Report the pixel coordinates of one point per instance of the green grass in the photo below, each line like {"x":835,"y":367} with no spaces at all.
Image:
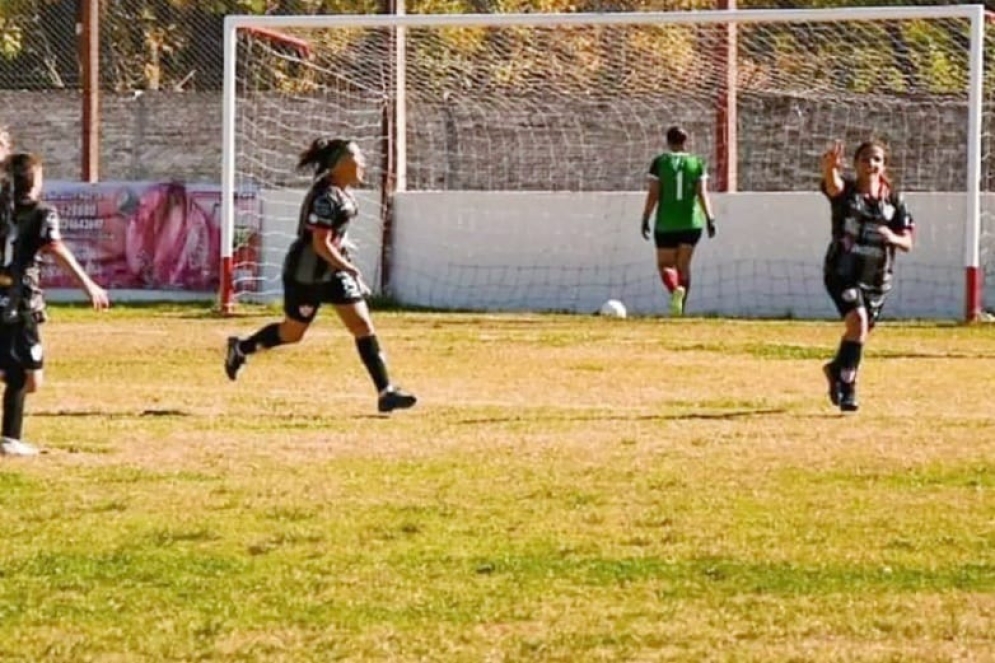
{"x":568,"y":489}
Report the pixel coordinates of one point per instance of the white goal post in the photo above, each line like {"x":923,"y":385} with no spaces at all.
{"x":249,"y":143}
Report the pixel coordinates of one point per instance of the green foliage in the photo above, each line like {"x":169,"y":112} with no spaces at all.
{"x":162,"y":44}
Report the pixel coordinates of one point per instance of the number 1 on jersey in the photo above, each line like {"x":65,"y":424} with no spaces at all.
{"x":679,"y":185}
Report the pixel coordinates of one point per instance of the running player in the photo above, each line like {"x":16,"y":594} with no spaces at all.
{"x":28,"y":229}
{"x":318,"y":270}
{"x":678,"y":189}
{"x":869,"y":222}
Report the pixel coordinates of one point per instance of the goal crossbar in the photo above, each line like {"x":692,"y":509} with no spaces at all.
{"x":975,"y":14}
{"x":710,"y":17}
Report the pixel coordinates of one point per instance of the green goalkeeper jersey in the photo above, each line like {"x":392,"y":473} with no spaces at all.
{"x":678,"y":174}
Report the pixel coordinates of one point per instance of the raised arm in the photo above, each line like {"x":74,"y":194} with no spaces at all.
{"x":832,"y":170}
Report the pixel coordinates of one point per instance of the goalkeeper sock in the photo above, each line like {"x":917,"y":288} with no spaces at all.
{"x":669,"y":278}
{"x":685,"y":282}
{"x":369,"y":352}
{"x":266,"y":338}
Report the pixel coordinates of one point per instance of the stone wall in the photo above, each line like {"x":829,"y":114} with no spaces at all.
{"x":496,"y":143}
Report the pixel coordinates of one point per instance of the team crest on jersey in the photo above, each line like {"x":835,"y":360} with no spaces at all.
{"x":888,"y":211}
{"x":36,"y":352}
{"x":305,"y":310}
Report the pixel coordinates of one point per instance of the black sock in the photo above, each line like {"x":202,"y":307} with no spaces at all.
{"x":369,"y":352}
{"x":266,"y":338}
{"x":848,"y":359}
{"x":14,"y":395}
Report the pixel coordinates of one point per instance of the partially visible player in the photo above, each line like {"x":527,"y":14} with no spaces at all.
{"x":5,"y":144}
{"x":678,"y":190}
{"x":869,"y":222}
{"x":28,"y":229}
{"x":318,"y":270}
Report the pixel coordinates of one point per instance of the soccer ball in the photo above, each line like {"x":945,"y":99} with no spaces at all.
{"x":613,"y":309}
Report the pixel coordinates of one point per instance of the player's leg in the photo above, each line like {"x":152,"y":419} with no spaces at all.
{"x":666,"y":266}
{"x":22,"y":375}
{"x":685,"y":251}
{"x":300,"y":306}
{"x":344,"y":293}
{"x":850,"y":301}
{"x":846,"y":302}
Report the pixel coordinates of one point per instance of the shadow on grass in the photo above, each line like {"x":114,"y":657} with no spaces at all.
{"x":106,"y":414}
{"x":684,"y":416}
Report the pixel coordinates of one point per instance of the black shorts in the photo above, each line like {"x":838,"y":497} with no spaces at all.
{"x":849,"y":297}
{"x":20,"y":347}
{"x":674,"y":238}
{"x":301,"y":301}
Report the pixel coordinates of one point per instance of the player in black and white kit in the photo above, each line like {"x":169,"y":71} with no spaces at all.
{"x":318,"y":270}
{"x":29,"y":229}
{"x":869,"y":222}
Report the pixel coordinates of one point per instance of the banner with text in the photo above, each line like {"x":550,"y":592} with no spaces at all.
{"x":146,"y":235}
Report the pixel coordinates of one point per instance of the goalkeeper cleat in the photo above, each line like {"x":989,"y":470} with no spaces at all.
{"x":833,"y":378}
{"x":677,"y":302}
{"x":234,"y":358}
{"x":393,"y":398}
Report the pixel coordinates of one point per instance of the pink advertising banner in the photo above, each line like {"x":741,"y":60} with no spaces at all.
{"x":145,"y":235}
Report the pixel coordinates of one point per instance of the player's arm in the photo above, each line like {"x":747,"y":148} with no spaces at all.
{"x":97,"y":295}
{"x":832,"y":170}
{"x":321,"y":221}
{"x":701,"y":189}
{"x":322,"y":241}
{"x":652,"y":197}
{"x":900,"y":233}
{"x":53,"y":245}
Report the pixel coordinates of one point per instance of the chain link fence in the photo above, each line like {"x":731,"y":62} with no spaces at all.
{"x":161,"y":71}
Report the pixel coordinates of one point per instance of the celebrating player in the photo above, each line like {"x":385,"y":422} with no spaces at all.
{"x":869,"y":221}
{"x":678,"y":189}
{"x":318,"y":270}
{"x":28,"y":229}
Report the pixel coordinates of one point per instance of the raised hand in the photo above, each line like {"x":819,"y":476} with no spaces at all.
{"x":832,"y":159}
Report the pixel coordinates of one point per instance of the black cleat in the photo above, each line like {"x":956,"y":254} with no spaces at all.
{"x":848,"y":397}
{"x":234,"y":359}
{"x":833,"y":379}
{"x":395,"y":399}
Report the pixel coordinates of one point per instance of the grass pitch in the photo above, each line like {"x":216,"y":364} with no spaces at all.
{"x":568,"y":489}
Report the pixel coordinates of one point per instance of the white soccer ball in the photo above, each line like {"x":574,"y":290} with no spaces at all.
{"x":613,"y":309}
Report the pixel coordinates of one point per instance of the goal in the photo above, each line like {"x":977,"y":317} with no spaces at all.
{"x":508,"y":152}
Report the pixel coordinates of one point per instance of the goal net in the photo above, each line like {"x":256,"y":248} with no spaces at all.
{"x":508,"y":153}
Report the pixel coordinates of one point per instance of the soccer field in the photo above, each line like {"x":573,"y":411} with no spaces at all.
{"x":568,"y":489}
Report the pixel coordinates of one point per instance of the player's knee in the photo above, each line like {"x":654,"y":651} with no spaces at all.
{"x":33,"y":381}
{"x":292,"y":332}
{"x":858,"y":324}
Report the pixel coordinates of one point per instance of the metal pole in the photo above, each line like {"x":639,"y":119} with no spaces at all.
{"x":89,"y":50}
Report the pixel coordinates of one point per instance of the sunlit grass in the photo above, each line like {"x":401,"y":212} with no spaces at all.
{"x":568,"y":489}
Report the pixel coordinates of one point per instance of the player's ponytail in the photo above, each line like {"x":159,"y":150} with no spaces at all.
{"x":322,"y":155}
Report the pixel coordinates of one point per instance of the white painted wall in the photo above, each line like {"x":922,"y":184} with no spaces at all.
{"x":570,"y":251}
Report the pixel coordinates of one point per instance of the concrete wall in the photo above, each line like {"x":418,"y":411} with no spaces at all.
{"x":572,"y":251}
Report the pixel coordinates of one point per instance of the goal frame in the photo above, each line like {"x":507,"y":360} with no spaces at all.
{"x":400,"y":21}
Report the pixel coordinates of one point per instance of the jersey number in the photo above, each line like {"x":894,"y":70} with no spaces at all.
{"x":679,"y":185}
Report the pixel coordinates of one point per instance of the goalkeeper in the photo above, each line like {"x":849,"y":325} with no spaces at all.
{"x":678,"y":190}
{"x":869,"y":222}
{"x":318,"y":270}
